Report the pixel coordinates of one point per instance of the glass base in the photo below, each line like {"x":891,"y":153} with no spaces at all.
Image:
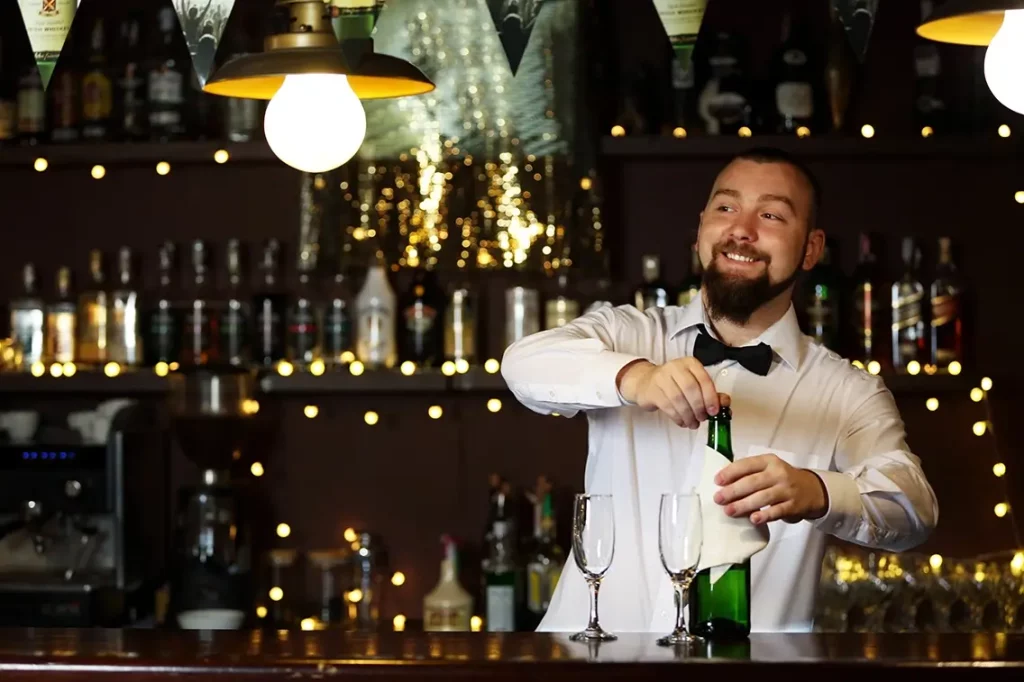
{"x":595,"y":634}
{"x":677,"y":638}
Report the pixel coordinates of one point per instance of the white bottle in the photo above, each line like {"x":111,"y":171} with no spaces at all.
{"x":448,"y":607}
{"x":375,"y":320}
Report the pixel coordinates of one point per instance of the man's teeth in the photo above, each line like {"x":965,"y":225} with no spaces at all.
{"x":742,"y":259}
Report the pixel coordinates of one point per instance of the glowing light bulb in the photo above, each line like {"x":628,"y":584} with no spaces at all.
{"x":935,"y":561}
{"x":1017,"y":563}
{"x":492,"y":366}
{"x":461,"y":365}
{"x":38,"y":369}
{"x":355,"y":596}
{"x":435,"y":411}
{"x":307,"y":624}
{"x":356,"y":368}
{"x":618,"y":131}
{"x":1018,"y":196}
{"x":874,"y":367}
{"x":41,"y":165}
{"x":979,"y":428}
{"x":98,"y":172}
{"x":999,"y":469}
{"x":256,"y":469}
{"x":285,"y":368}
{"x":398,"y":623}
{"x":56,"y":370}
{"x":803,"y":131}
{"x":977,"y":394}
{"x":408,"y":368}
{"x":371,"y":418}
{"x":398,"y":579}
{"x":494,"y":405}
{"x":1002,"y":60}
{"x":744,"y":131}
{"x":986,"y":384}
{"x":350,"y":535}
{"x":221,"y":156}
{"x":112,"y":369}
{"x":261,"y":611}
{"x":476,"y":624}
{"x":317,"y":368}
{"x":955,"y":368}
{"x":679,"y":133}
{"x":163,"y":168}
{"x":162,"y":369}
{"x":294,"y":122}
{"x":932,"y":404}
{"x":1001,"y":509}
{"x":1004,"y":130}
{"x":867,"y":131}
{"x":913,"y":368}
{"x":70,"y":369}
{"x":448,"y":368}
{"x":283,"y":530}
{"x":276,"y":594}
{"x":311,"y":411}
{"x":927,"y":131}
{"x":858,"y":364}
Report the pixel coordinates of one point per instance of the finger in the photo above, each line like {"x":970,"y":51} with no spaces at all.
{"x":674,"y":392}
{"x":724,"y":399}
{"x":753,"y":503}
{"x":684,"y":415}
{"x":709,"y":394}
{"x":747,"y":485}
{"x":691,"y":392}
{"x":668,"y":406}
{"x":781,"y":510}
{"x":742,"y":467}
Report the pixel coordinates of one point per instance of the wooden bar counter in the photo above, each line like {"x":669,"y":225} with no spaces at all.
{"x":142,"y":655}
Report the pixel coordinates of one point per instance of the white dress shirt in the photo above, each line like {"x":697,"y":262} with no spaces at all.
{"x":813,"y":409}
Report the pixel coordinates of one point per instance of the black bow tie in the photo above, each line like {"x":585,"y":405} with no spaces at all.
{"x":711,"y":351}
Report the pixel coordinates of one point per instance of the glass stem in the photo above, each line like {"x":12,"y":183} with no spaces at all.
{"x":595,"y":586}
{"x":680,"y":607}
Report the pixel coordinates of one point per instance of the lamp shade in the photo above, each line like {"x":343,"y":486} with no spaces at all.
{"x":967,"y":22}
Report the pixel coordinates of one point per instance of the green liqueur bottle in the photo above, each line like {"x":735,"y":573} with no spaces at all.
{"x":722,"y":610}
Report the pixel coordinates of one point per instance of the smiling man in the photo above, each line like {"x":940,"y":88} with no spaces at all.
{"x":820,"y":445}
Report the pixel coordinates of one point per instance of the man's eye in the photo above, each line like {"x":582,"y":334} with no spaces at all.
{"x":724,"y":208}
{"x":771,"y":216}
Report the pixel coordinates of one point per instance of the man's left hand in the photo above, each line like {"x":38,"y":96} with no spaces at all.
{"x":767,"y":488}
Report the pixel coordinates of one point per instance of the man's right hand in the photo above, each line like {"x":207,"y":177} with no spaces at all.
{"x":681,"y":388}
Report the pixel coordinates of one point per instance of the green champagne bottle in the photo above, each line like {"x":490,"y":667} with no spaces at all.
{"x":722,"y":610}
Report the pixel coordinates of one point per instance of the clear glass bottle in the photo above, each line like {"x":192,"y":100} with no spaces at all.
{"x":544,"y":566}
{"x":375,"y":320}
{"x":94,"y":315}
{"x":690,"y":290}
{"x":269,"y":309}
{"x":163,"y":323}
{"x":653,"y":293}
{"x":61,"y":321}
{"x":337,"y":336}
{"x":166,"y":78}
{"x":234,"y":329}
{"x":201,"y":324}
{"x":97,"y":89}
{"x":422,"y":314}
{"x":304,"y":314}
{"x":125,"y":345}
{"x":27,"y":319}
{"x":460,"y":327}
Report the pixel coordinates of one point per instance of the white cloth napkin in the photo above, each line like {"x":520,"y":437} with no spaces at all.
{"x":726,"y":540}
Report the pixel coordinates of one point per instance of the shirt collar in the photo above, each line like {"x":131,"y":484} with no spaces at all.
{"x":785,"y":337}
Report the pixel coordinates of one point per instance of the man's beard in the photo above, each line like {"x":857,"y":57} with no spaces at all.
{"x":737,"y":298}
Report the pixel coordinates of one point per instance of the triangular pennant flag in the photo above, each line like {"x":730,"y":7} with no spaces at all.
{"x":203,"y":23}
{"x":48,"y":23}
{"x":681,"y":20}
{"x":514,"y":20}
{"x":858,"y":18}
{"x":354,"y":18}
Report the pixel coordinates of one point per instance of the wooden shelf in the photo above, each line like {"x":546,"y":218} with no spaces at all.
{"x":135,"y":154}
{"x":478,"y":379}
{"x":342,"y":382}
{"x":814,"y":147}
{"x":85,"y":382}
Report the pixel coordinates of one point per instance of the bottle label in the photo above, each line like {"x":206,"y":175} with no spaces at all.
{"x":681,"y":19}
{"x":198,"y":333}
{"x":501,"y":608}
{"x":927,"y":63}
{"x":48,"y":23}
{"x":8,"y":119}
{"x":542,"y":580}
{"x":907,"y":324}
{"x":795,"y":100}
{"x":94,"y":330}
{"x":419,"y":319}
{"x":445,"y":618}
{"x":31,"y":110}
{"x":97,"y":97}
{"x":27,"y":330}
{"x":163,"y":329}
{"x":64,"y":109}
{"x":302,"y":331}
{"x":124,"y":332}
{"x":234,"y":333}
{"x":728,"y":108}
{"x":866,"y":314}
{"x":60,"y":336}
{"x":459,"y":333}
{"x":269,"y":330}
{"x":945,"y":328}
{"x":794,"y":57}
{"x":689,"y":295}
{"x":165,"y":96}
{"x":683,"y":78}
{"x":375,"y":340}
{"x":243,"y":117}
{"x":337,"y":332}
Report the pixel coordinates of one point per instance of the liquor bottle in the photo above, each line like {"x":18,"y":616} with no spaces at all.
{"x":337,"y":336}
{"x":823,"y":292}
{"x":929,"y":105}
{"x":562,"y":308}
{"x":690,"y":289}
{"x":8,"y":97}
{"x":130,"y":102}
{"x":234,"y":328}
{"x":684,"y":119}
{"x":725,"y":101}
{"x":97,"y":89}
{"x":65,"y":108}
{"x":94,"y":315}
{"x":201,"y":328}
{"x":794,"y":81}
{"x":448,"y":607}
{"x":375,"y":320}
{"x":841,"y":70}
{"x":163,"y":323}
{"x":721,"y":610}
{"x":124,"y":342}
{"x":422,"y":320}
{"x":653,"y":293}
{"x":867,"y":336}
{"x":269,"y":309}
{"x":47,"y":24}
{"x":61,"y":321}
{"x":304,"y":314}
{"x":908,"y":337}
{"x":460,"y":327}
{"x":240,"y":116}
{"x":27,"y":319}
{"x":946,"y":322}
{"x":31,"y":107}
{"x":544,"y":567}
{"x":166,"y":77}
{"x":500,"y":572}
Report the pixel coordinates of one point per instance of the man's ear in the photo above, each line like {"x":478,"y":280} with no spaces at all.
{"x":815,"y":247}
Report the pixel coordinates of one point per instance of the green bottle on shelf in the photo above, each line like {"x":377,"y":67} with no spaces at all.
{"x":721,"y":610}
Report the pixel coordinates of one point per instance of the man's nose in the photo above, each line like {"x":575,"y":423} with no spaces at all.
{"x":744,"y":227}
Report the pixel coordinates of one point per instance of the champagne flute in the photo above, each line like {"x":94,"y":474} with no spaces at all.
{"x":593,"y":547}
{"x":680,"y":534}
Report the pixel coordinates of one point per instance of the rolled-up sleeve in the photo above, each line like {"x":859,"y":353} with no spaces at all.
{"x":878,"y":494}
{"x":572,"y":368}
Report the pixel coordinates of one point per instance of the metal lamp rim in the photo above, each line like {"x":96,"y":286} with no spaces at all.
{"x":967,"y":22}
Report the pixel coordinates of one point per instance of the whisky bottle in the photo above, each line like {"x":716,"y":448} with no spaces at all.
{"x":31,"y":108}
{"x":721,"y":609}
{"x":544,"y":566}
{"x":269,"y":309}
{"x":94,"y":315}
{"x":27,"y":319}
{"x":234,"y":328}
{"x":726,"y":100}
{"x":163,"y":318}
{"x":653,"y":293}
{"x":867,"y":338}
{"x":97,"y":89}
{"x":946,"y":322}
{"x":421,"y":319}
{"x":929,"y":104}
{"x":502,"y":583}
{"x":47,"y":24}
{"x":8,"y":96}
{"x":65,"y":105}
{"x":304,"y":314}
{"x":61,"y":321}
{"x":125,"y":344}
{"x":166,"y":78}
{"x":908,"y":337}
{"x":130,"y":102}
{"x":460,"y":327}
{"x":794,"y":80}
{"x":822,"y":295}
{"x":690,"y":289}
{"x":201,"y":324}
{"x":337,"y":336}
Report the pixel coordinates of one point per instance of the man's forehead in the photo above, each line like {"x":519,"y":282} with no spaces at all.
{"x":779,"y":175}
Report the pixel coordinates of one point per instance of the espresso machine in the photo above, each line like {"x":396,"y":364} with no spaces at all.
{"x":72,"y":525}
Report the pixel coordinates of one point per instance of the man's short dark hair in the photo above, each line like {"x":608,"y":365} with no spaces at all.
{"x":775,"y":155}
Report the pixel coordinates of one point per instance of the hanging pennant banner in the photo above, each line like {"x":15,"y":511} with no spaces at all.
{"x":203,"y":23}
{"x":354,"y":18}
{"x":514,"y":20}
{"x":858,"y":18}
{"x":48,"y":23}
{"x":682,"y":20}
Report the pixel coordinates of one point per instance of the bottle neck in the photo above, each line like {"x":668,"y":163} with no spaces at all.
{"x":720,"y":436}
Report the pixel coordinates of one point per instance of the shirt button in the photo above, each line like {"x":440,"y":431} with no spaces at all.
{"x":725,"y":372}
{"x":837,"y":525}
